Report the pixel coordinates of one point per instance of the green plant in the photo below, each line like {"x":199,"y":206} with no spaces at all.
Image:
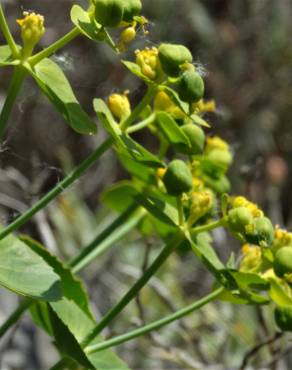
{"x":185,"y":196}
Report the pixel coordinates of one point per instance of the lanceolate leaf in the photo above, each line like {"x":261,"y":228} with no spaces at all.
{"x":25,"y":272}
{"x":56,"y":87}
{"x":72,"y":287}
{"x":172,"y":131}
{"x":79,"y":326}
{"x":124,"y":144}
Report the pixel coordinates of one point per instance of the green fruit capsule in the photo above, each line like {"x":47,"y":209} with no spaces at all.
{"x":220,"y":158}
{"x":131,"y":9}
{"x":191,"y":87}
{"x":238,"y":218}
{"x":262,"y":232}
{"x":283,"y":261}
{"x":109,"y":13}
{"x":172,"y":56}
{"x":196,"y":137}
{"x":283,"y":317}
{"x":177,"y":178}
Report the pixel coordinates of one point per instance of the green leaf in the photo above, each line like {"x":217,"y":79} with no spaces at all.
{"x":107,"y":120}
{"x":124,"y":143}
{"x":90,"y":28}
{"x":135,"y":168}
{"x":280,"y":292}
{"x":79,"y":325}
{"x":163,"y":211}
{"x":6,"y":58}
{"x":120,"y":196}
{"x":24,"y":272}
{"x":56,"y":87}
{"x":136,"y":70}
{"x":172,"y":131}
{"x":175,"y":98}
{"x":72,"y":287}
{"x":199,"y":120}
{"x":139,"y":153}
{"x":246,"y":280}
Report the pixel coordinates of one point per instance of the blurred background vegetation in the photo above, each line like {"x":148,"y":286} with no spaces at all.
{"x":244,"y":50}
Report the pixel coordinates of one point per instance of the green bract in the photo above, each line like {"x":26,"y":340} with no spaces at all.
{"x":196,"y":137}
{"x":262,"y":232}
{"x":178,"y":178}
{"x":172,"y":56}
{"x":109,"y":13}
{"x":191,"y":87}
{"x":131,"y":8}
{"x":238,"y":218}
{"x":283,"y":317}
{"x":283,"y":261}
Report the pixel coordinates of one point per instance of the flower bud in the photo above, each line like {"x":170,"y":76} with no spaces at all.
{"x":172,"y":56}
{"x":178,"y":178}
{"x":283,"y":261}
{"x":109,"y":13}
{"x":119,"y":105}
{"x":218,"y":160}
{"x":191,"y":87}
{"x":128,"y":35}
{"x":32,"y":30}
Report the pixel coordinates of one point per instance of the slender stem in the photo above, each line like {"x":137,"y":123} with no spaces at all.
{"x":15,"y":316}
{"x":181,"y":218}
{"x":61,"y":186}
{"x":13,"y":90}
{"x":7,"y":34}
{"x":139,"y":126}
{"x":208,"y":227}
{"x":154,"y":325}
{"x":139,"y":108}
{"x":164,"y":254}
{"x":114,"y":232}
{"x":54,"y":47}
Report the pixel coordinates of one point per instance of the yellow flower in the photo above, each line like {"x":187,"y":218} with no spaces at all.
{"x":32,"y":29}
{"x":148,"y":61}
{"x":204,"y":106}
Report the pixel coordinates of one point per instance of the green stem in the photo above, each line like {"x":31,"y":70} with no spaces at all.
{"x":139,"y":108}
{"x":61,"y":186}
{"x":154,"y":325}
{"x":164,"y":254}
{"x":181,"y":218}
{"x":208,"y":227}
{"x":114,"y":232}
{"x":139,"y":126}
{"x":54,"y":47}
{"x":7,"y":34}
{"x":15,"y":316}
{"x":13,"y":90}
